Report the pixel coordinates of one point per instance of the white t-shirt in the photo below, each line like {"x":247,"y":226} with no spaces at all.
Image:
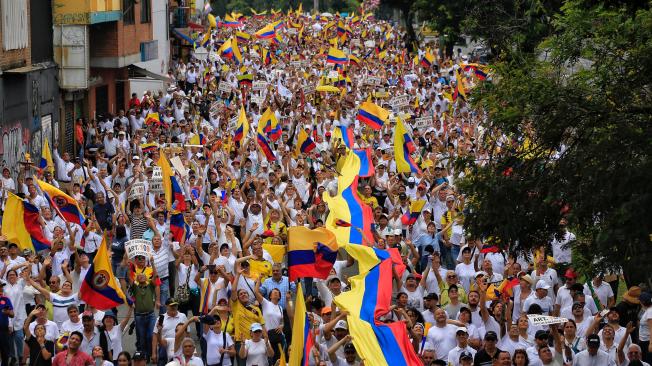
{"x":60,"y":306}
{"x":585,"y":359}
{"x":466,"y":274}
{"x":115,"y":340}
{"x":68,"y":326}
{"x":214,"y":342}
{"x":273,"y":315}
{"x":443,"y":339}
{"x":256,"y":352}
{"x":644,"y":329}
{"x":51,"y":330}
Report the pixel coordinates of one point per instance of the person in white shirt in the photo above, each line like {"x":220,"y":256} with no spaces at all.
{"x":442,"y":335}
{"x":462,"y":348}
{"x":593,"y":355}
{"x":257,"y":349}
{"x":540,"y":297}
{"x":561,"y":244}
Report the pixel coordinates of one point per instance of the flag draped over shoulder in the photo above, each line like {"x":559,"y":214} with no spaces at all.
{"x":372,"y":115}
{"x":100,"y":288}
{"x":63,"y":203}
{"x":347,"y":206}
{"x":303,"y":338}
{"x":369,"y":298}
{"x":403,"y":148}
{"x":20,"y":225}
{"x":311,"y":253}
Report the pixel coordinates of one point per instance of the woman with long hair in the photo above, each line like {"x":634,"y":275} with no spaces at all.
{"x":520,"y":358}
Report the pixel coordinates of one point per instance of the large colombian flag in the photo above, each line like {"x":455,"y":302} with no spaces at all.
{"x":270,"y":125}
{"x":369,"y":298}
{"x":347,"y":206}
{"x":304,"y":143}
{"x":267,"y":32}
{"x":403,"y":147}
{"x":303,"y":337}
{"x":63,"y":203}
{"x":366,"y":163}
{"x":46,"y":158}
{"x":179,"y":228}
{"x":100,"y":288}
{"x":166,"y":171}
{"x":263,"y":142}
{"x":337,"y":57}
{"x":345,"y":134}
{"x":311,"y":253}
{"x":372,"y":115}
{"x":20,"y":225}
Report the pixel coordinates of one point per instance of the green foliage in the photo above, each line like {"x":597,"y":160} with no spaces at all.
{"x":586,"y":112}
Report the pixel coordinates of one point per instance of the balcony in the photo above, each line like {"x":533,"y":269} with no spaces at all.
{"x":85,"y":12}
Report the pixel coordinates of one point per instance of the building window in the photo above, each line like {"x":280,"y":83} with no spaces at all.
{"x":15,"y":24}
{"x":145,"y":11}
{"x":128,"y":11}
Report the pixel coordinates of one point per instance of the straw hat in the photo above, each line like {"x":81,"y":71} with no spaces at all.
{"x":632,"y":295}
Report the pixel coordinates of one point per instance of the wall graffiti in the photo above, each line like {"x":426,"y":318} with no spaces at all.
{"x":13,"y":146}
{"x":72,"y":18}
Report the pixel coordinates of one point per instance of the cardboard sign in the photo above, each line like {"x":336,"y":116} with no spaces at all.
{"x":259,"y":85}
{"x":224,"y":87}
{"x":138,"y":247}
{"x":156,"y":183}
{"x":422,"y":122}
{"x":258,"y":99}
{"x":178,"y":166}
{"x":545,"y":319}
{"x":137,"y":191}
{"x":400,"y":101}
{"x":381,"y":93}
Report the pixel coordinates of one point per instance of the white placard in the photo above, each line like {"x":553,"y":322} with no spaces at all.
{"x":224,"y":87}
{"x":233,"y":123}
{"x":212,"y":56}
{"x":333,"y":74}
{"x":422,"y":122}
{"x":355,"y":42}
{"x":400,"y":101}
{"x":295,"y":64}
{"x":215,"y":108}
{"x":259,"y":85}
{"x":369,"y":44}
{"x":372,"y":81}
{"x":280,"y":66}
{"x":545,"y":319}
{"x":291,"y":30}
{"x":177,"y":164}
{"x":156,"y":183}
{"x":137,"y":191}
{"x":258,"y":99}
{"x":138,"y":247}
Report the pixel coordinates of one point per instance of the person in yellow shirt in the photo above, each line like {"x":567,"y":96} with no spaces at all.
{"x":368,"y":198}
{"x":244,"y":314}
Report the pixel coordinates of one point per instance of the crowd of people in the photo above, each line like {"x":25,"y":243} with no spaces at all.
{"x":221,"y":295}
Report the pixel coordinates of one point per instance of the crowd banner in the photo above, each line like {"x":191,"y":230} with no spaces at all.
{"x":138,"y":247}
{"x":545,"y":319}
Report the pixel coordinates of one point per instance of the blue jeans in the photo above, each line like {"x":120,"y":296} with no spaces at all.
{"x":18,"y":338}
{"x":144,"y":330}
{"x":165,"y":293}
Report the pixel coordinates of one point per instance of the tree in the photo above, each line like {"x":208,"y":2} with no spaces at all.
{"x":445,"y":17}
{"x":575,"y":122}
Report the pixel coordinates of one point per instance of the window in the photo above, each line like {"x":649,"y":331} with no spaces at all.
{"x":128,"y":8}
{"x":14,"y":21}
{"x":145,"y":11}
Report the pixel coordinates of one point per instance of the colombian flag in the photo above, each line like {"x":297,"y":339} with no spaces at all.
{"x":243,"y":127}
{"x":21,"y":226}
{"x":166,"y":171}
{"x":265,"y":147}
{"x":230,"y":22}
{"x":304,"y":143}
{"x":237,"y":55}
{"x":378,"y":343}
{"x":348,"y":206}
{"x":303,"y":338}
{"x":353,"y":60}
{"x":267,"y":57}
{"x":337,"y":57}
{"x":366,"y":163}
{"x":372,"y":115}
{"x":267,"y":32}
{"x":480,"y":71}
{"x":46,"y":158}
{"x":179,"y":228}
{"x":152,"y":118}
{"x":226,"y":49}
{"x":311,"y":253}
{"x":149,"y":147}
{"x":63,"y":203}
{"x":403,"y":148}
{"x":270,"y":125}
{"x":100,"y":288}
{"x":427,"y":60}
{"x":345,"y":134}
{"x":178,"y":198}
{"x":242,"y":36}
{"x":460,"y":92}
{"x":411,"y":216}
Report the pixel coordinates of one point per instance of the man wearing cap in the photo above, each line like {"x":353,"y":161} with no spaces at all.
{"x":139,"y":359}
{"x":489,"y":353}
{"x":593,"y":355}
{"x":90,"y":333}
{"x":565,"y":293}
{"x":540,"y":297}
{"x":171,"y":319}
{"x":350,"y":353}
{"x":462,"y":350}
{"x":73,"y":355}
{"x":599,"y":290}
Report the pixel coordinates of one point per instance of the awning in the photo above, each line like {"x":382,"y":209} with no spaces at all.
{"x":135,"y":71}
{"x":29,"y":68}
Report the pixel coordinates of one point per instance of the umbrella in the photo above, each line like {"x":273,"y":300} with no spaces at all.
{"x":327,"y":88}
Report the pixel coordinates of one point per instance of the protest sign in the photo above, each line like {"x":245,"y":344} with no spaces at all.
{"x":224,"y":87}
{"x":156,"y":182}
{"x":138,"y":247}
{"x":369,"y":44}
{"x":372,"y":81}
{"x":177,"y":164}
{"x":137,"y":191}
{"x":296,"y":63}
{"x":333,"y":74}
{"x":545,"y":319}
{"x":258,"y":99}
{"x":259,"y":85}
{"x":422,"y":122}
{"x":233,"y":123}
{"x":399,"y":102}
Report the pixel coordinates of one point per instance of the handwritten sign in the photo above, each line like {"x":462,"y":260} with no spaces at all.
{"x":177,"y":164}
{"x":400,"y":101}
{"x":545,"y":319}
{"x":137,"y":191}
{"x":224,"y":87}
{"x":258,"y":99}
{"x":259,"y":85}
{"x":355,"y":42}
{"x":422,"y":122}
{"x":156,"y":182}
{"x":138,"y":247}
